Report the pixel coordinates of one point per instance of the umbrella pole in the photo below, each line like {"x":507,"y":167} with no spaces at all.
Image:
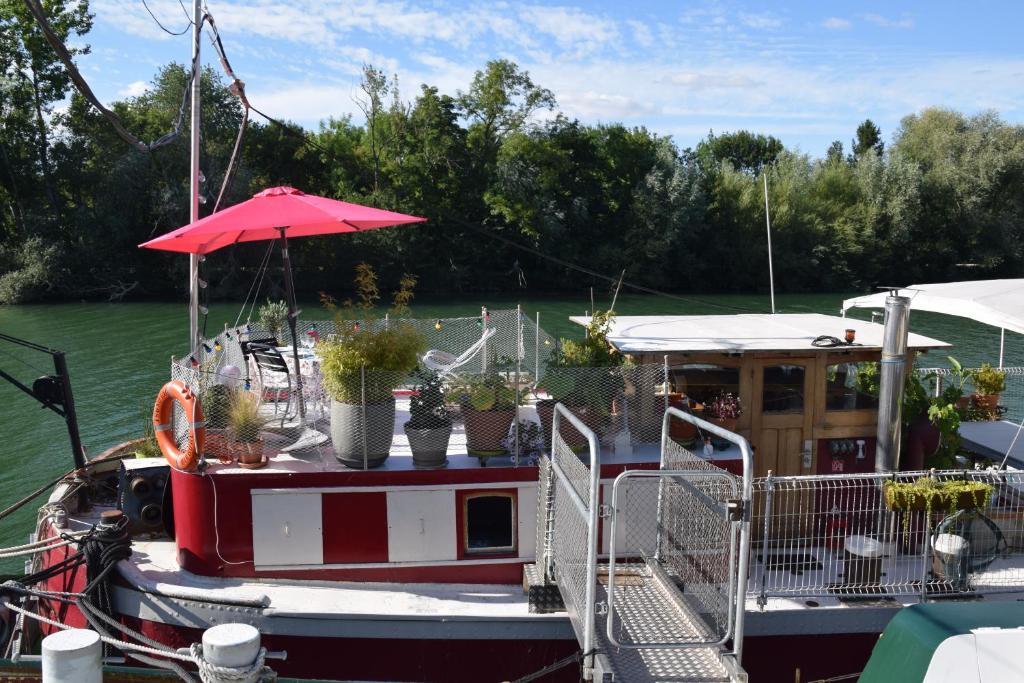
{"x":293,"y":314}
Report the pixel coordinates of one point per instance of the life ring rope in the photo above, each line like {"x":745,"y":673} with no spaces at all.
{"x":171,"y":393}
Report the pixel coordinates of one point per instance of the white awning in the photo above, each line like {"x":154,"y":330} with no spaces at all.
{"x":743,"y":333}
{"x":999,"y":303}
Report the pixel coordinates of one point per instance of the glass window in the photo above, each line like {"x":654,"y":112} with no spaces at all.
{"x":490,"y":523}
{"x":851,"y":386}
{"x":783,"y":389}
{"x":702,"y":382}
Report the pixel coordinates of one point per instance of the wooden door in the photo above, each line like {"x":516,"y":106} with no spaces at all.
{"x":782,"y":411}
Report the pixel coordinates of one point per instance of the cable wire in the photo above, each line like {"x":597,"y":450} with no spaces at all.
{"x":164,"y":28}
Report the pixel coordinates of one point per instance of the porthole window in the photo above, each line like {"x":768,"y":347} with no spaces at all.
{"x":489,"y":523}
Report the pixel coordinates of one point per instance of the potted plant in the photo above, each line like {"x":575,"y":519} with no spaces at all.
{"x":724,"y":410}
{"x":989,"y":383}
{"x":361,"y":366}
{"x":488,"y":409}
{"x":930,"y":494}
{"x":430,"y":426}
{"x":245,"y":423}
{"x":584,"y":377}
{"x":273,"y":317}
{"x":216,"y":401}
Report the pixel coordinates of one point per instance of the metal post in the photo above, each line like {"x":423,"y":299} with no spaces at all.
{"x":1002,"y":345}
{"x":768,"y":222}
{"x":70,"y":416}
{"x":519,"y":362}
{"x":892,"y":376}
{"x":483,"y":332}
{"x":665,"y":384}
{"x":362,"y":430}
{"x":73,"y":656}
{"x":536,"y":350}
{"x":193,"y":214}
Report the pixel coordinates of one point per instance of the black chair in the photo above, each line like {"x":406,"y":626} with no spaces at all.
{"x":274,"y":375}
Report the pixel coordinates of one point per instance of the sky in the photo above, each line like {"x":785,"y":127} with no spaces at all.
{"x":806,"y":72}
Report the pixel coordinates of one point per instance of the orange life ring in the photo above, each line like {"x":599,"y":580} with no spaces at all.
{"x":178,"y":391}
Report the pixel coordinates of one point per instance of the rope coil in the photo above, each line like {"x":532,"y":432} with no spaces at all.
{"x":212,"y":673}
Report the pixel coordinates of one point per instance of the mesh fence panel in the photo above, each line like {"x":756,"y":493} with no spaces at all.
{"x":836,"y":535}
{"x":570,"y":531}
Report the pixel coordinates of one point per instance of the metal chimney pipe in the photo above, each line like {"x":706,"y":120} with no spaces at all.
{"x":892,"y":377}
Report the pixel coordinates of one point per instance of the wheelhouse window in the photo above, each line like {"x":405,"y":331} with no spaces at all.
{"x":783,"y":389}
{"x":489,"y":523}
{"x":852,"y":386}
{"x":703,"y":382}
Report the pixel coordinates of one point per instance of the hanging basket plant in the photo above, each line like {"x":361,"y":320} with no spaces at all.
{"x":928,"y":494}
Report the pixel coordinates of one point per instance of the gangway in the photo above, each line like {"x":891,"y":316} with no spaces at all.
{"x":665,"y":602}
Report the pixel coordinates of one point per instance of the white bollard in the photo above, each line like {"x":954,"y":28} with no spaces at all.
{"x":73,"y":656}
{"x":232,"y":645}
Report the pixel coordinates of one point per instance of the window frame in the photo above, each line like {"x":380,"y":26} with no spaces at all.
{"x":462,"y":524}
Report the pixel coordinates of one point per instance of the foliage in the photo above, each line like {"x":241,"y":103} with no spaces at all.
{"x":868,"y":377}
{"x":427,"y":406}
{"x":593,"y":351}
{"x":147,"y":446}
{"x":30,"y":275}
{"x":487,"y":392}
{"x":216,"y":401}
{"x":273,"y":317}
{"x":387,"y":350}
{"x":929,"y":493}
{"x":989,"y":381}
{"x":946,"y":418}
{"x":725,"y":406}
{"x":244,"y":417}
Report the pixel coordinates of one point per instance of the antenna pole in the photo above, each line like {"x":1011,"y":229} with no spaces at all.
{"x":193,"y":214}
{"x":768,"y":222}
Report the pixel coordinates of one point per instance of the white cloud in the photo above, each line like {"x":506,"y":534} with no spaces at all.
{"x":641,"y":33}
{"x":760,"y":21}
{"x":709,"y":81}
{"x":885,"y":22}
{"x":573,"y":29}
{"x":134,"y":89}
{"x":836,"y":23}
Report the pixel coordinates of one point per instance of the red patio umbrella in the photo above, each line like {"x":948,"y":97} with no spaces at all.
{"x":277,"y":212}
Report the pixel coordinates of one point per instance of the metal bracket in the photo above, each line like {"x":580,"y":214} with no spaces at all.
{"x":736,"y":510}
{"x":605,"y":511}
{"x":601,"y":608}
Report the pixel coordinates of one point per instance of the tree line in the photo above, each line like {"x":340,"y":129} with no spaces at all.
{"x":511,"y":195}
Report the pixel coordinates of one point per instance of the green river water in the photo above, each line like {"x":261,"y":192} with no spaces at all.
{"x":119,"y":355}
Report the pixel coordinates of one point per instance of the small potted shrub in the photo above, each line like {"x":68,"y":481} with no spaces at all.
{"x":362,"y":365}
{"x":724,"y":410}
{"x":245,"y":424}
{"x":584,"y":376}
{"x":430,"y":426}
{"x":930,"y":494}
{"x":273,"y":317}
{"x":216,"y":401}
{"x":989,"y":383}
{"x":488,"y":410}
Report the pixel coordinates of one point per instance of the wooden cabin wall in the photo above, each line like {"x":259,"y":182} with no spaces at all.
{"x":779,"y":439}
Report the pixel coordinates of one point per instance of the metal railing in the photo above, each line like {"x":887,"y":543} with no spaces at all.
{"x":574,"y":510}
{"x":837,"y":535}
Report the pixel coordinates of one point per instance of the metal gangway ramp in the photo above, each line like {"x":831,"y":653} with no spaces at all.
{"x":664,"y":602}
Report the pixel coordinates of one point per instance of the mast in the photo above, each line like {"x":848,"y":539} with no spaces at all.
{"x":768,"y":223}
{"x":193,"y":216}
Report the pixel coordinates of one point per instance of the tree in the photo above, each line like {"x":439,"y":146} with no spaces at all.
{"x":499,"y":101}
{"x":834,"y":154}
{"x":747,"y":152}
{"x":869,"y":138}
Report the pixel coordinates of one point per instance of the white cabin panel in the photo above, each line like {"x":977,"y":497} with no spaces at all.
{"x":421,"y":526}
{"x":287,"y":529}
{"x":526,"y":507}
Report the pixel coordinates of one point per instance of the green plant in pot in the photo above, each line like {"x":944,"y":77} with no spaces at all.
{"x":362,"y":365}
{"x":273,"y":317}
{"x":430,"y":426}
{"x":245,"y":424}
{"x":989,"y":383}
{"x":584,"y":376}
{"x":216,"y":401}
{"x":488,"y":410}
{"x":932,"y":495}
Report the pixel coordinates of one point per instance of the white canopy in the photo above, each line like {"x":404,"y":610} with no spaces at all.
{"x":742,"y":333}
{"x":999,"y":303}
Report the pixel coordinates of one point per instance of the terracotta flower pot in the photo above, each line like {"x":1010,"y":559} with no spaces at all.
{"x":726,"y":423}
{"x":987,"y":402}
{"x":486,"y":429}
{"x":572,"y":436}
{"x":246,"y":452}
